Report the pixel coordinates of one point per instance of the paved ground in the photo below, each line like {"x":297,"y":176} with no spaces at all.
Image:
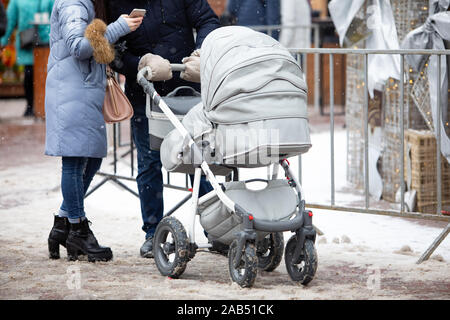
{"x":352,"y":265}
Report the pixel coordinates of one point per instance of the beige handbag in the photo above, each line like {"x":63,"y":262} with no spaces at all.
{"x":116,"y":106}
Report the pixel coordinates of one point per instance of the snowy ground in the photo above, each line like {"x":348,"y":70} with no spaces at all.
{"x":360,"y":256}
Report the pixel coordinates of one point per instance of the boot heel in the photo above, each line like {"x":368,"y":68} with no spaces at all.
{"x":53,"y":249}
{"x":72,"y":252}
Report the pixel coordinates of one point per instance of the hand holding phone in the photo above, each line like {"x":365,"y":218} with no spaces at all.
{"x":134,"y":19}
{"x":136,"y":13}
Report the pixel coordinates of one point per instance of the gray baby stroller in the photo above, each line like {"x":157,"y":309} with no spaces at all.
{"x":252,"y":114}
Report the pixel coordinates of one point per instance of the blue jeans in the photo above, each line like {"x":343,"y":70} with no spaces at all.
{"x":77,"y":174}
{"x":149,"y":178}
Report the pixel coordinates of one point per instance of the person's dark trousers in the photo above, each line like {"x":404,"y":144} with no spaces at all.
{"x":28,"y":87}
{"x":149,"y":178}
{"x":77,"y":174}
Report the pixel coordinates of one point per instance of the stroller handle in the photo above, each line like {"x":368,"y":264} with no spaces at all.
{"x":149,"y":89}
{"x":178,"y":67}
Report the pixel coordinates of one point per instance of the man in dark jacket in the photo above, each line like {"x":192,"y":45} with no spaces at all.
{"x":167,"y":31}
{"x":3,"y":21}
{"x":256,"y":13}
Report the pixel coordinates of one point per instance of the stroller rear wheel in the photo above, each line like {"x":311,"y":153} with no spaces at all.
{"x":270,"y":251}
{"x":245,"y":273}
{"x":304,"y":269}
{"x":171,"y":247}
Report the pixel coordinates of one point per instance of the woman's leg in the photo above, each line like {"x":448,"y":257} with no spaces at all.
{"x":76,"y":177}
{"x":91,"y":167}
{"x":72,"y":188}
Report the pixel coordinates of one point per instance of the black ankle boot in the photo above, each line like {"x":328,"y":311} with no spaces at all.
{"x":81,"y":238}
{"x":58,"y":236}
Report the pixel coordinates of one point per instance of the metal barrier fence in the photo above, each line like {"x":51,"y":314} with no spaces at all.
{"x":302,"y":52}
{"x":367,"y":209}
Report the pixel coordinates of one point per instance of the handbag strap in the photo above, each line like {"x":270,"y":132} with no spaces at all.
{"x":113,"y":96}
{"x":109,"y":72}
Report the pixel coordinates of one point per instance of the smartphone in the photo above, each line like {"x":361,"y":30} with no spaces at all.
{"x":136,"y":13}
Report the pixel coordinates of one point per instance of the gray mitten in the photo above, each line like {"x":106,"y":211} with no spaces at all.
{"x":161,"y":69}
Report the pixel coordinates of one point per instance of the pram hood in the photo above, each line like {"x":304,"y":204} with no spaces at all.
{"x":253,"y":109}
{"x":245,"y":74}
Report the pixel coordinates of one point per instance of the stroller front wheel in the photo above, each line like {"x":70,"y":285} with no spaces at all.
{"x":171,"y":249}
{"x":304,"y":269}
{"x":245,"y":273}
{"x":270,"y":251}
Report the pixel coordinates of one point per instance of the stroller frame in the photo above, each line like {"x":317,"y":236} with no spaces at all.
{"x":300,"y":224}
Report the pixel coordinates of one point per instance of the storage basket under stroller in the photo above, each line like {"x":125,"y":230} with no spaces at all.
{"x":222,"y":225}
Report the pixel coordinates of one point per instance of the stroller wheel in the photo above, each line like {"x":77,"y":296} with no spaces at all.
{"x":270,"y":251}
{"x":171,"y":247}
{"x":245,"y":273}
{"x":304,"y":269}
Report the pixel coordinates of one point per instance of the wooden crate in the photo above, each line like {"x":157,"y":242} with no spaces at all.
{"x":422,"y":169}
{"x":12,"y":90}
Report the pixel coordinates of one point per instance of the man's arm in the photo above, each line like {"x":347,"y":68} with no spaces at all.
{"x":202,"y":18}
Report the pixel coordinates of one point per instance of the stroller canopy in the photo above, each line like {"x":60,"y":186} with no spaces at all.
{"x":253,"y":109}
{"x":248,"y":76}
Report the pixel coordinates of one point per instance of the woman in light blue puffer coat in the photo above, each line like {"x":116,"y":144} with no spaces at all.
{"x":80,"y":48}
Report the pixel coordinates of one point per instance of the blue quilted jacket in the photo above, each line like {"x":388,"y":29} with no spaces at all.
{"x":76,"y":83}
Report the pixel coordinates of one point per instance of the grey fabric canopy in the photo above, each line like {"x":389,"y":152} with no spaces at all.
{"x":245,"y":74}
{"x":253,"y":103}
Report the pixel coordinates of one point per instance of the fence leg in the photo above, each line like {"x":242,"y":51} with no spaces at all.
{"x":319,"y":232}
{"x":94,"y":188}
{"x":178,"y":205}
{"x":317,"y":107}
{"x":116,"y":181}
{"x":434,"y":245}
